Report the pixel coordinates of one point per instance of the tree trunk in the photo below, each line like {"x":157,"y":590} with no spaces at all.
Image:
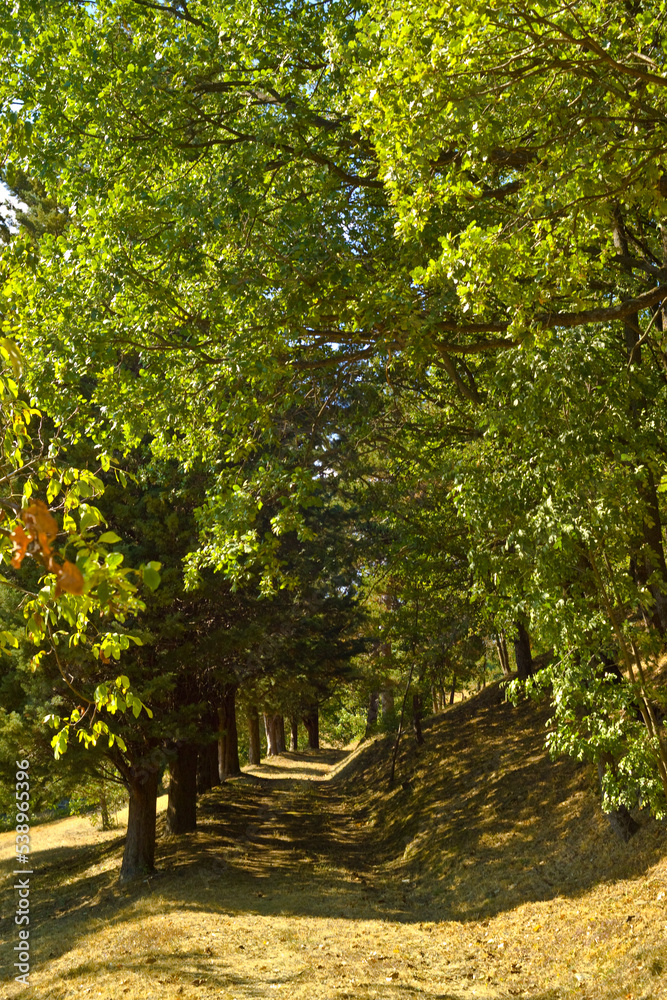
{"x":387,"y":700}
{"x":524,"y":659}
{"x":182,"y":804}
{"x":453,"y":691}
{"x":312,"y":723}
{"x":105,"y":816}
{"x":620,"y":820}
{"x":207,"y":764}
{"x":269,"y":729}
{"x":203,"y":771}
{"x":654,"y":556}
{"x":139,"y":853}
{"x":274,"y":726}
{"x":213,"y":769}
{"x":503,"y":656}
{"x":254,"y":745}
{"x":652,"y":561}
{"x":228,"y":740}
{"x":416,"y":717}
{"x":372,"y":713}
{"x":294,"y":733}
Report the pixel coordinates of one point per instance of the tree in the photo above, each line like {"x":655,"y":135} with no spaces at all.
{"x":403,"y":203}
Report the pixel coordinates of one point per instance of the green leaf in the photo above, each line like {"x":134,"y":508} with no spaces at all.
{"x":109,"y":538}
{"x":90,"y":517}
{"x":151,"y":577}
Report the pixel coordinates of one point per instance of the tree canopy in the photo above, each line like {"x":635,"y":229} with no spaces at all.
{"x":393,"y":275}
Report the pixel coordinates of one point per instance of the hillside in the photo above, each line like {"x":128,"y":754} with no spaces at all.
{"x":487,"y":871}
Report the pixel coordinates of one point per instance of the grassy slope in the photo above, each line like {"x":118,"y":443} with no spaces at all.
{"x":487,"y":871}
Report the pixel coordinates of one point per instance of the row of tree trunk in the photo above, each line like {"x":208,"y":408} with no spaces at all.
{"x":440,"y":698}
{"x":195,"y":768}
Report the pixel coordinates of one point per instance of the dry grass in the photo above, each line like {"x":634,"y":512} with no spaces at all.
{"x":487,"y":871}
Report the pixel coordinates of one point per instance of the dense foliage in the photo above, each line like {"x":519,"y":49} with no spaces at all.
{"x":392,"y":275}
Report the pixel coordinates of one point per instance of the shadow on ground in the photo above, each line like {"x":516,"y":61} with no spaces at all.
{"x":478,"y":822}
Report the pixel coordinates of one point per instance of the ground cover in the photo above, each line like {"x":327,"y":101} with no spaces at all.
{"x":486,"y":871}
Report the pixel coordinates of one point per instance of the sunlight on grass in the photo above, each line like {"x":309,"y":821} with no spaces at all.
{"x":71,"y":831}
{"x":487,"y":871}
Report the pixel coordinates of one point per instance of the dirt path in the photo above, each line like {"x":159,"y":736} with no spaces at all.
{"x":306,"y":879}
{"x":277,"y":891}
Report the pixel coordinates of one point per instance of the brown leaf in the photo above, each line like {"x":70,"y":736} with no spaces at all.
{"x":20,"y":540}
{"x":39,"y":521}
{"x":70,"y":579}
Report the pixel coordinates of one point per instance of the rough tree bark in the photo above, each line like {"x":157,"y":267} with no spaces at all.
{"x":274,"y":726}
{"x":228,"y":739}
{"x":294,"y":733}
{"x":207,"y":763}
{"x":372,"y":714}
{"x":620,"y":820}
{"x":503,"y":656}
{"x":182,"y":804}
{"x":203,"y":771}
{"x":311,"y":721}
{"x":524,"y":658}
{"x":105,"y":815}
{"x":416,"y":717}
{"x":650,"y":564}
{"x":209,"y":755}
{"x":280,"y":724}
{"x":653,"y":563}
{"x":452,"y":693}
{"x":139,"y":853}
{"x":254,"y":745}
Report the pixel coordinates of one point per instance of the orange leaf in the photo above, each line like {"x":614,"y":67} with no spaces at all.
{"x":40,"y":522}
{"x":20,"y":540}
{"x":70,"y":579}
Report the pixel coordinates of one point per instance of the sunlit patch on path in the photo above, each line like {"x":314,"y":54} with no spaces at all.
{"x":486,"y":871}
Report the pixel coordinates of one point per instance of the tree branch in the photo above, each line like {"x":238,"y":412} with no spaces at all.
{"x":547,"y":321}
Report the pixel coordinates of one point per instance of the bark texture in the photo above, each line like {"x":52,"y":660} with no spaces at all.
{"x":620,"y":820}
{"x":311,"y":721}
{"x":274,"y":726}
{"x":207,"y":762}
{"x":524,"y":658}
{"x":417,"y":717}
{"x":452,"y":693}
{"x":228,"y":738}
{"x":372,"y":713}
{"x":209,"y":765}
{"x":182,"y":804}
{"x":503,"y":656}
{"x":294,"y":733}
{"x":139,"y":853}
{"x":254,"y":744}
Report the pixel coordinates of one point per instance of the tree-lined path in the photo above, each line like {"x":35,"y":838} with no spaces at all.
{"x":307,"y":876}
